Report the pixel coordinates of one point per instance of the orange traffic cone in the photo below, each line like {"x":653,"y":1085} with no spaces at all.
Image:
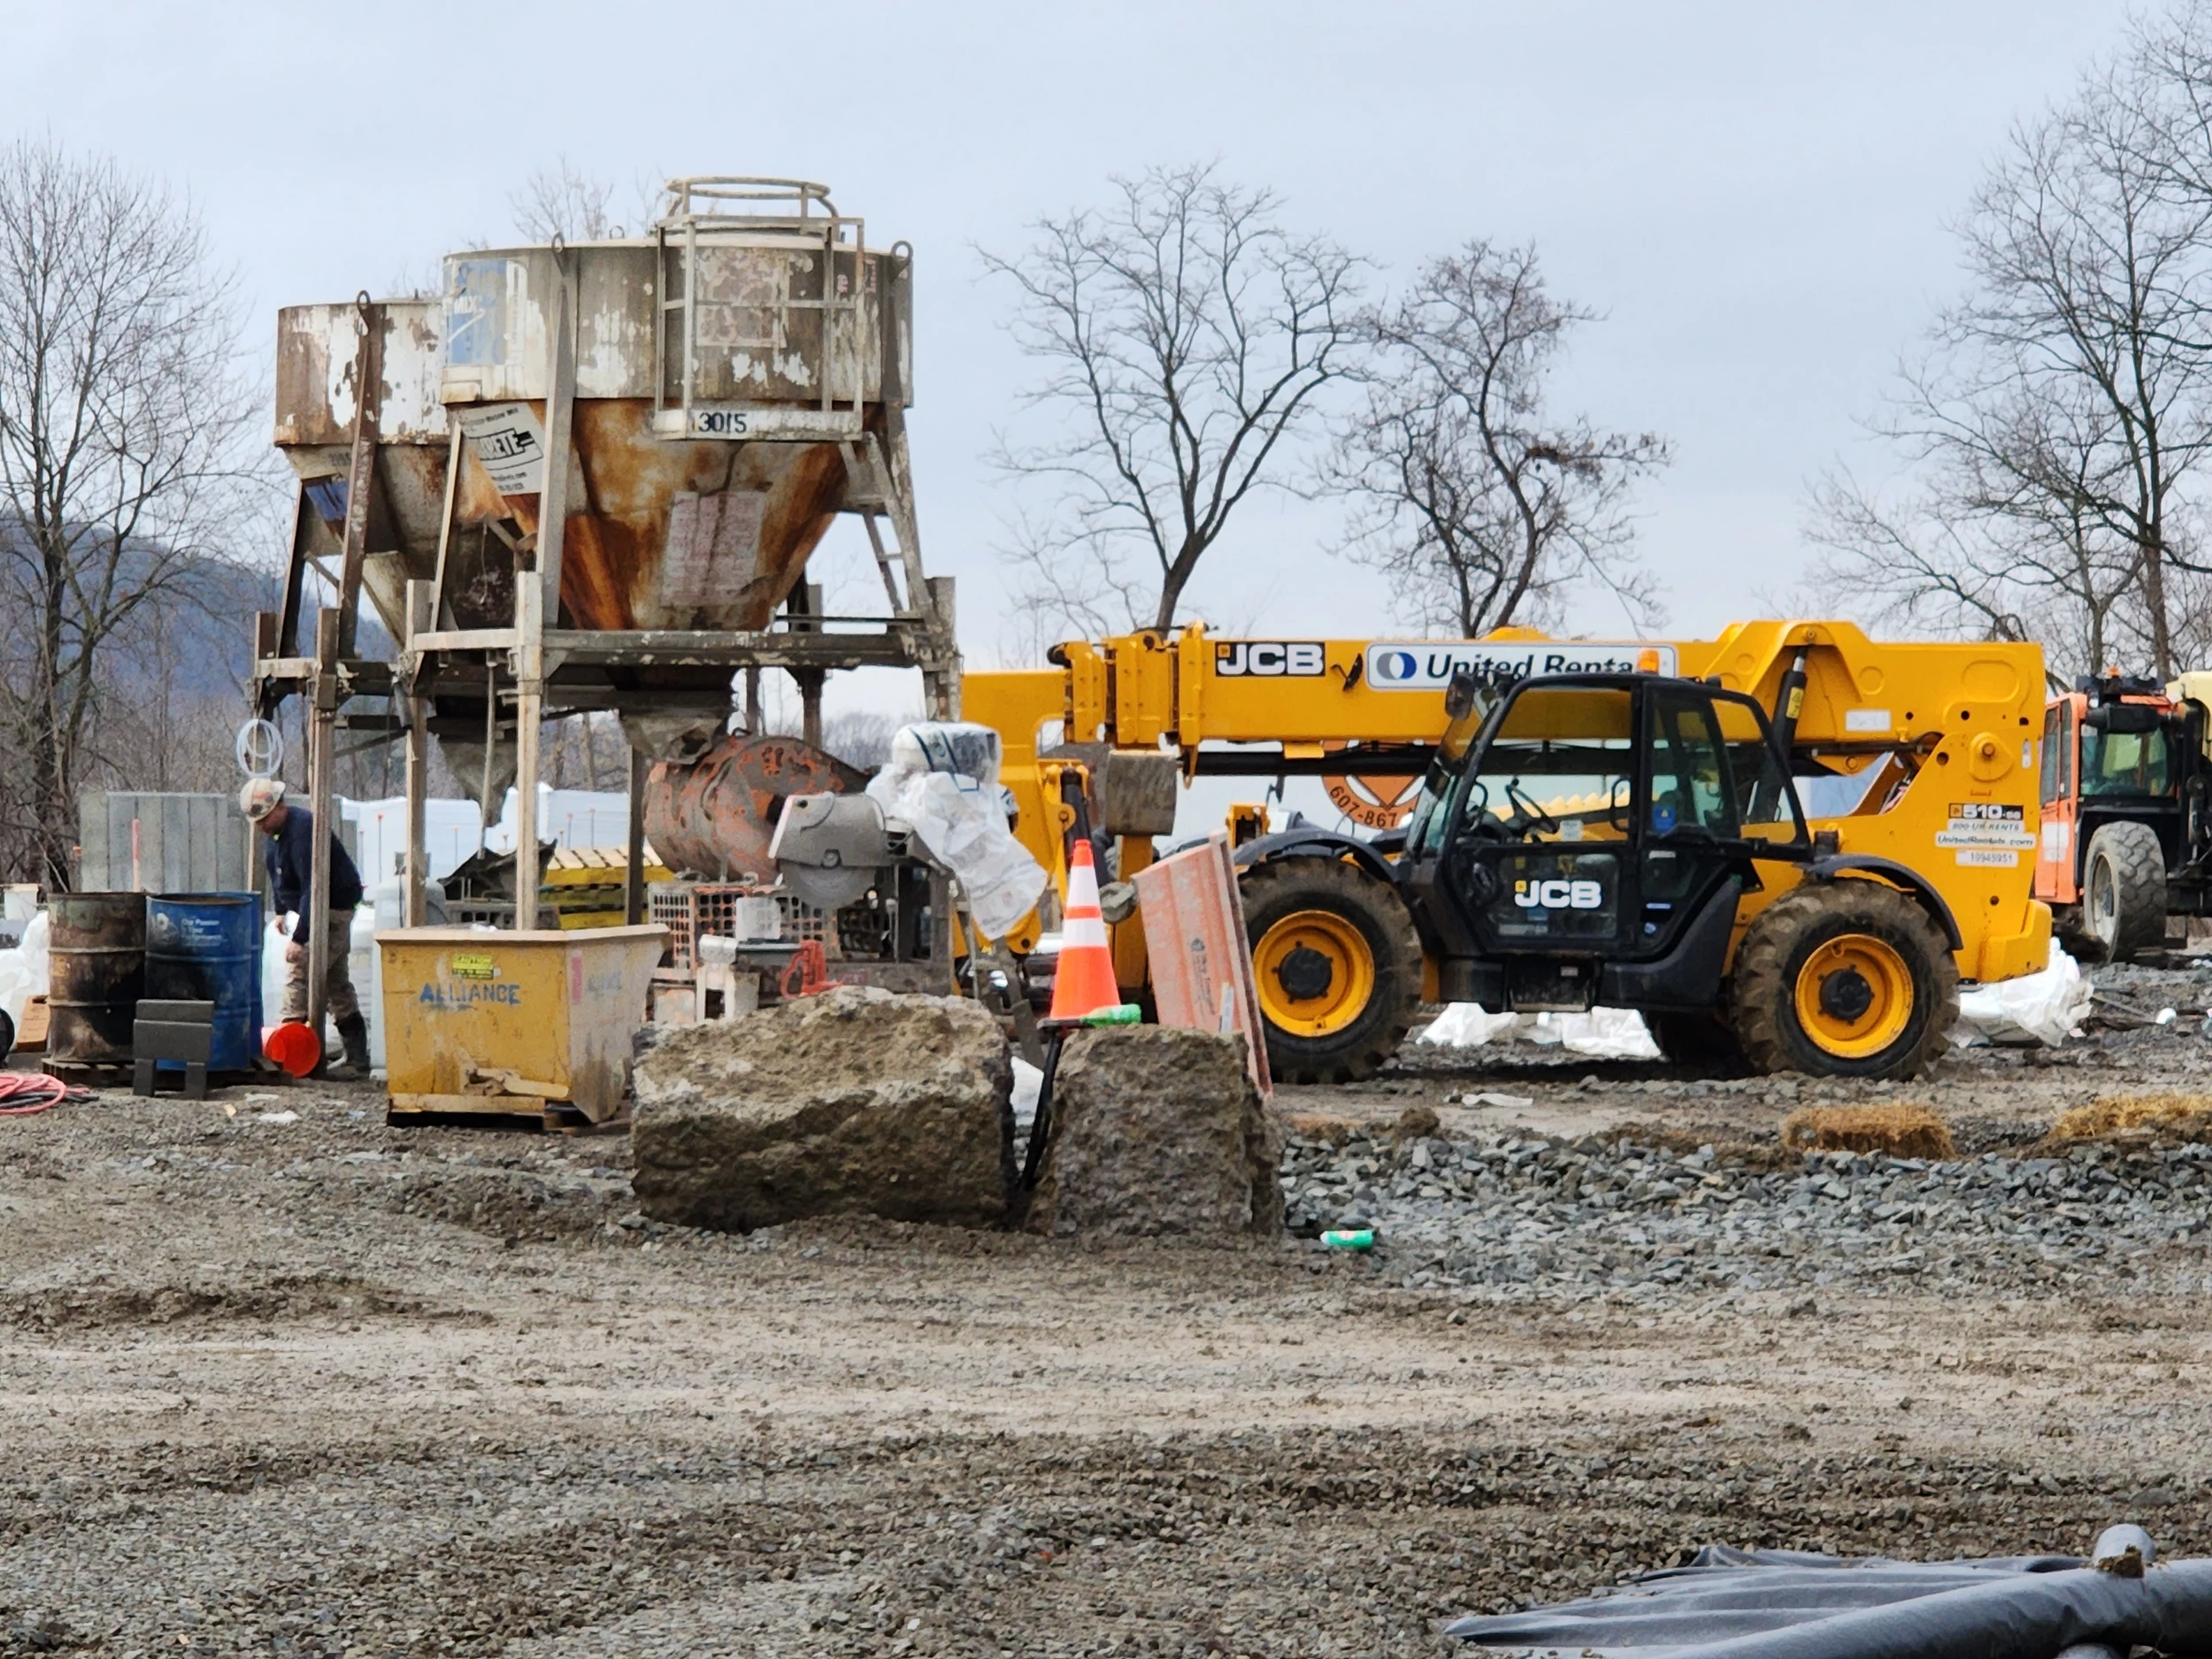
{"x":1083,"y":981}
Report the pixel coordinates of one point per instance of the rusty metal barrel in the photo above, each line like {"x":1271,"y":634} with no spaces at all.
{"x":98,"y":973}
{"x":715,"y":816}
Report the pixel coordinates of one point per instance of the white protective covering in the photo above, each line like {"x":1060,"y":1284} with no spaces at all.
{"x":960,"y":818}
{"x":2044,"y":1007}
{"x":1029,"y":1083}
{"x":1603,"y":1033}
{"x":1467,"y":1025}
{"x":23,"y":970}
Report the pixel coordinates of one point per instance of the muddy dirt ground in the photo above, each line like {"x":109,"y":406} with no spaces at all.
{"x":324,"y":1388}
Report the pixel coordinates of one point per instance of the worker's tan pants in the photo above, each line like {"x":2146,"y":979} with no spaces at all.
{"x":338,"y":995}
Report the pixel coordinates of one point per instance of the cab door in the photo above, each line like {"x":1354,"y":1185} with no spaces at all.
{"x":2057,"y":852}
{"x":1539,"y":851}
{"x":1692,"y":836}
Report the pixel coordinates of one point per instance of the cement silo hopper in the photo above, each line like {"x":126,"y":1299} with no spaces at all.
{"x":590,"y":477}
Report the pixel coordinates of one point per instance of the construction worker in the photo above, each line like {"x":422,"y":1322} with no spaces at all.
{"x":290,"y":855}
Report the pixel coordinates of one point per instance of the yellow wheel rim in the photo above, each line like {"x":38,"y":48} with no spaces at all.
{"x":1855,"y":996}
{"x":1317,"y":974}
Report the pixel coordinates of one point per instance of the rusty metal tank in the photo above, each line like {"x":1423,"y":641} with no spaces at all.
{"x":723,"y":363}
{"x":98,"y":972}
{"x":715,"y":816}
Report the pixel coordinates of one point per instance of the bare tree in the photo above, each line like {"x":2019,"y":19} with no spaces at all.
{"x":564,"y":202}
{"x":1483,"y":506}
{"x":2060,"y":419}
{"x":122,"y":475}
{"x":1187,"y":335}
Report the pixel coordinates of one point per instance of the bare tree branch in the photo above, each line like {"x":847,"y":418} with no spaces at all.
{"x":1186,"y":337}
{"x":1484,"y":508}
{"x":124,"y":468}
{"x":564,"y":202}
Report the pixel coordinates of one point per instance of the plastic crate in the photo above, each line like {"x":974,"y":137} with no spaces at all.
{"x":690,"y":909}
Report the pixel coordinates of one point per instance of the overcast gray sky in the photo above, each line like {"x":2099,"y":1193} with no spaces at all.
{"x":1754,"y":193}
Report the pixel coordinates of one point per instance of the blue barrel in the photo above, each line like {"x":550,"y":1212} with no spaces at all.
{"x":206,"y":948}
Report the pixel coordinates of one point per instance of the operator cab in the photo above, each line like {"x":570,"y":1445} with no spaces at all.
{"x":2126,"y":835}
{"x":1588,"y":843}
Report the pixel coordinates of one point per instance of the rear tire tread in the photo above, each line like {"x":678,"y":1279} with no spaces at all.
{"x":1762,"y":987}
{"x":2139,"y":876}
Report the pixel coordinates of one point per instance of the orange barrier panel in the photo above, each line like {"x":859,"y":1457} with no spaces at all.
{"x":1202,"y":961}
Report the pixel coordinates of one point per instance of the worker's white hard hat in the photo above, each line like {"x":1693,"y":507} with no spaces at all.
{"x":260,"y":797}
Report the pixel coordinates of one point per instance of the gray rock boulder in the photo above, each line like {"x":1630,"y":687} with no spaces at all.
{"x":1157,"y":1130}
{"x":851,"y":1101}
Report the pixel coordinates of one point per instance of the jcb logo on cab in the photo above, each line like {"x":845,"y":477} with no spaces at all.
{"x":1277,"y":659}
{"x":1558,"y":896}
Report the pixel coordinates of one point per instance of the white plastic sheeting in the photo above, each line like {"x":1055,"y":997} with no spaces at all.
{"x":1467,"y":1025}
{"x":1603,"y":1033}
{"x":960,"y":819}
{"x":2040,"y":1008}
{"x":1029,"y":1082}
{"x":23,"y":970}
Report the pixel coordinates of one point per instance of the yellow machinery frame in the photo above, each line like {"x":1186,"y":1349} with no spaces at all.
{"x":1952,"y":727}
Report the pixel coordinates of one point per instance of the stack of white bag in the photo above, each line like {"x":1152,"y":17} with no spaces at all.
{"x":2044,"y":1006}
{"x":1603,"y":1033}
{"x":23,"y":974}
{"x":942,"y":781}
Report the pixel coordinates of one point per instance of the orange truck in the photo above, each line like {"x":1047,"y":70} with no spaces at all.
{"x":2125,"y":835}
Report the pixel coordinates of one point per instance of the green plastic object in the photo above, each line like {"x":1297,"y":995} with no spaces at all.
{"x":1349,"y":1237}
{"x":1127,"y":1014}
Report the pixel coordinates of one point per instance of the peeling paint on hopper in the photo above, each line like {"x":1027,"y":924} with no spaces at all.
{"x":754,"y":510}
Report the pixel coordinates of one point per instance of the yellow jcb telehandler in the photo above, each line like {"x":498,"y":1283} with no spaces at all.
{"x":1790,"y":841}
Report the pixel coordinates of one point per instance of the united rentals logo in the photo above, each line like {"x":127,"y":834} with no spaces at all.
{"x":1271,"y":659}
{"x":1429,"y":664}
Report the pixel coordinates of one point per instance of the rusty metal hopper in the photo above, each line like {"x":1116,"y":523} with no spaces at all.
{"x":589,"y":479}
{"x":691,"y":511}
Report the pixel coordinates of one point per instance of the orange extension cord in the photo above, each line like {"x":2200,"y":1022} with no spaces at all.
{"x":23,"y":1094}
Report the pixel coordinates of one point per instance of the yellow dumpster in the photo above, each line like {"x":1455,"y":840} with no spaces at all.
{"x":511,"y":1022}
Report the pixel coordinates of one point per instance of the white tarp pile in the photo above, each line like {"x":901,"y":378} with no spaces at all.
{"x":1603,"y":1033}
{"x":2035,"y":1008}
{"x":23,"y":972}
{"x":942,"y":781}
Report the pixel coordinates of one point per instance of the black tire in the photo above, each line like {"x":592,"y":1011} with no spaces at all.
{"x":2123,"y":891}
{"x":1694,"y":1039}
{"x":1275,"y":891}
{"x":1778,"y":954}
{"x":7,"y":1034}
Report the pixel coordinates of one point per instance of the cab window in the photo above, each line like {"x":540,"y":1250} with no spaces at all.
{"x":1691,"y":783}
{"x":2123,"y":763}
{"x":1561,"y":766}
{"x":1762,"y":792}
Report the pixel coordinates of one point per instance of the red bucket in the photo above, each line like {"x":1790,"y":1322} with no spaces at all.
{"x":293,"y":1047}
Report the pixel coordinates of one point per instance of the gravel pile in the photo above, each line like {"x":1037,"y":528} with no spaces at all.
{"x":1516,"y":1218}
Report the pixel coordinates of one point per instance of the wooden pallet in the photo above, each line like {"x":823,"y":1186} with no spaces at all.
{"x":498,"y":1111}
{"x":89,"y":1076}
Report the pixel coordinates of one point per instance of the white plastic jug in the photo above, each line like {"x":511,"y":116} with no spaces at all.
{"x":272,"y":943}
{"x":365,"y":966}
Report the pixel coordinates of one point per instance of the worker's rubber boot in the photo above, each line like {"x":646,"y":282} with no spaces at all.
{"x":355,"y":1034}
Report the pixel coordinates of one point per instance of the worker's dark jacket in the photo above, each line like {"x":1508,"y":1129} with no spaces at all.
{"x":290,"y":856}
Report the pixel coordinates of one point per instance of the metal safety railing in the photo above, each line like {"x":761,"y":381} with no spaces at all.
{"x":730,"y":282}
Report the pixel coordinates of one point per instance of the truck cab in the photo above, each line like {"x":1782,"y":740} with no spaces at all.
{"x":2124,"y":789}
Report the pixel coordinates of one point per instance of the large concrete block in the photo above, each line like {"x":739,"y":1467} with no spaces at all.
{"x":852,"y":1102}
{"x":1158,"y":1130}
